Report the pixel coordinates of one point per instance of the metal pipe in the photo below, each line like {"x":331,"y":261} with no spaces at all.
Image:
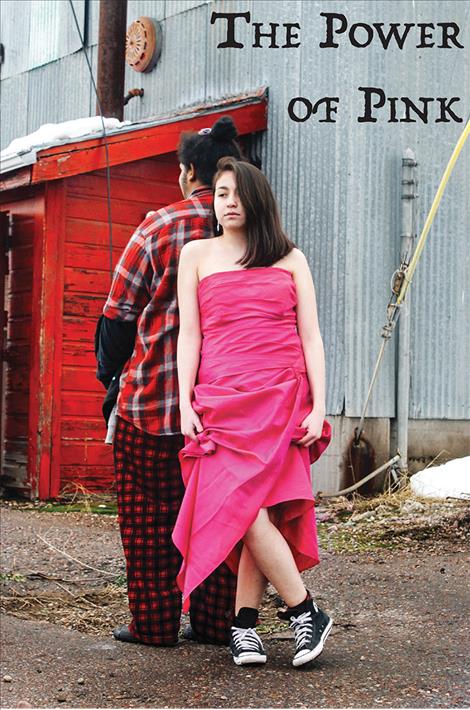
{"x":360,"y":483}
{"x":407,"y":239}
{"x":111,"y":58}
{"x":132,"y":93}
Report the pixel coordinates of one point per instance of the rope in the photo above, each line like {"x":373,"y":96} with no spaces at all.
{"x":408,"y":276}
{"x":408,"y":271}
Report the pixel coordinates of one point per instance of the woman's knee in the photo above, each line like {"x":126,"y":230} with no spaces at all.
{"x":258,"y":527}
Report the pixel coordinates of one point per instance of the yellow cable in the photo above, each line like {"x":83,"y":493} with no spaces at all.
{"x":429,"y":220}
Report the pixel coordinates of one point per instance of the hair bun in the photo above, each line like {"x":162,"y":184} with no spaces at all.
{"x":224,"y":130}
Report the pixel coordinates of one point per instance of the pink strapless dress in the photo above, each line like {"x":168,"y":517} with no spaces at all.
{"x":252,"y":394}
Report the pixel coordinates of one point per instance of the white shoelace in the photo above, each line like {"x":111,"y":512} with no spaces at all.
{"x":246,"y":639}
{"x":302,"y":626}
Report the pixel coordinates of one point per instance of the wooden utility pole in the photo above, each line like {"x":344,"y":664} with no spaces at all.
{"x":111,"y":58}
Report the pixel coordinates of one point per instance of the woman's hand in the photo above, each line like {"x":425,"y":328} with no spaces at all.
{"x":190,"y":422}
{"x":314,"y":423}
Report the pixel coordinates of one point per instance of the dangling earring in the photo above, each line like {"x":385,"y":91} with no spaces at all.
{"x":218,"y":227}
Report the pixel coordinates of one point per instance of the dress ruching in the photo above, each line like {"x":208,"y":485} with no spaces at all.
{"x":252,"y":394}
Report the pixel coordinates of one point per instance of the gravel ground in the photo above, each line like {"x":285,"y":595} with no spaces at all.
{"x":394,"y":578}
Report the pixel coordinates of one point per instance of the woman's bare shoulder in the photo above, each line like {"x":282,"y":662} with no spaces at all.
{"x":295,"y":259}
{"x":297,"y":256}
{"x":196,"y":248}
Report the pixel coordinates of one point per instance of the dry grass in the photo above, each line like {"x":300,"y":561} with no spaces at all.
{"x":358,"y":504}
{"x":78,"y":497}
{"x":93,"y":611}
{"x":96,"y":611}
{"x":396,"y":520}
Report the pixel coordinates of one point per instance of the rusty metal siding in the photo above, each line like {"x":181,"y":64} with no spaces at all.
{"x":338,"y":185}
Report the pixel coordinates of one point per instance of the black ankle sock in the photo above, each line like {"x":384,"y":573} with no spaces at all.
{"x":246,"y":618}
{"x":300,"y":608}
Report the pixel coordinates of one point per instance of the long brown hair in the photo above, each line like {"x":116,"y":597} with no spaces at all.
{"x":267,"y":242}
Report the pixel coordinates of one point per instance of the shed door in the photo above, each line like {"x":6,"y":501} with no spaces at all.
{"x":4,"y":234}
{"x":21,"y":228}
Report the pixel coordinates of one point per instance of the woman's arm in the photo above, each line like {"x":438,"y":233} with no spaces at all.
{"x":312,"y":344}
{"x":189,"y":338}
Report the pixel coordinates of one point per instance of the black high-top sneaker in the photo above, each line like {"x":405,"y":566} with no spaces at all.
{"x":311,"y":629}
{"x":246,"y":646}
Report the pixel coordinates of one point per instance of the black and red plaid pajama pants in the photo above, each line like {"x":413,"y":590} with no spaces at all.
{"x":149,"y":492}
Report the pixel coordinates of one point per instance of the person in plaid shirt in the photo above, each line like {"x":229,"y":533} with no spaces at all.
{"x":148,"y":435}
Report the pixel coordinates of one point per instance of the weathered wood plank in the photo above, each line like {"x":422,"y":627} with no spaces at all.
{"x":96,"y":233}
{"x":85,"y":453}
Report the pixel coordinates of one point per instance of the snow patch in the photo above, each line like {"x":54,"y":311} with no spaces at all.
{"x":450,"y":480}
{"x":56,"y":133}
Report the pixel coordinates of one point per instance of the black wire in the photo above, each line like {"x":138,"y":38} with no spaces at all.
{"x":108,"y":172}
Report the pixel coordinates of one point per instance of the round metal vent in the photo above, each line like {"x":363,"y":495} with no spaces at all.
{"x":143,"y":44}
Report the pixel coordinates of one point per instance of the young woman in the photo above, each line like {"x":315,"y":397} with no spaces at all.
{"x":254,"y":421}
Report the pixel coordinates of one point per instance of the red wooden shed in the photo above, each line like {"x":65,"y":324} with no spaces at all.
{"x":55,"y":266}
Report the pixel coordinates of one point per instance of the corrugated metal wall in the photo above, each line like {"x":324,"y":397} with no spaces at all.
{"x":338,"y":185}
{"x":38,"y":32}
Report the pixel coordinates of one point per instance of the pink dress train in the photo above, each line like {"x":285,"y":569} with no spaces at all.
{"x":252,"y":394}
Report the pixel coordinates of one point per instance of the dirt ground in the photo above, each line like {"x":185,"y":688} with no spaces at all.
{"x":394,"y":576}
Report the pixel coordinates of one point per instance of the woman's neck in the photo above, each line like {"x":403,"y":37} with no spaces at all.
{"x":234,"y":239}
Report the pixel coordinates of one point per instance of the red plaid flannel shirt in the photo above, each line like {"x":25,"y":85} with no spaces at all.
{"x":144,"y":289}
